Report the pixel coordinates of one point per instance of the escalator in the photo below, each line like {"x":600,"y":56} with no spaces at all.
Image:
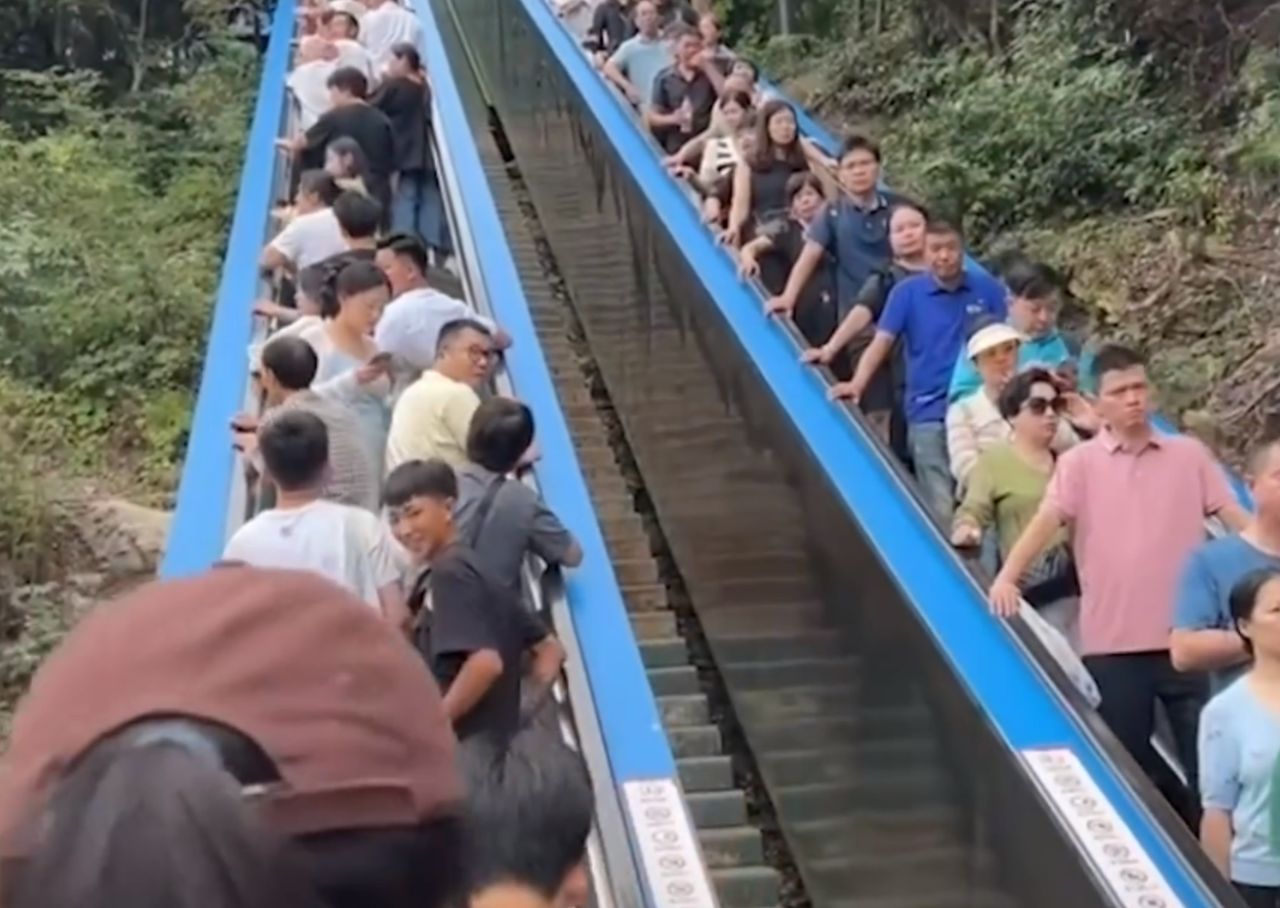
{"x":916,"y":752}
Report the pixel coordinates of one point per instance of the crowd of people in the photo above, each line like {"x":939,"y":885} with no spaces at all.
{"x":1035,"y":453}
{"x":351,"y":708}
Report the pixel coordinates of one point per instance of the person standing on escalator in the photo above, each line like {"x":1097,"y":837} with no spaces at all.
{"x":634,"y":66}
{"x":1136,"y":500}
{"x":684,"y":94}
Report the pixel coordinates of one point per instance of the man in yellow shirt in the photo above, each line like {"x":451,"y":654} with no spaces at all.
{"x":432,"y":416}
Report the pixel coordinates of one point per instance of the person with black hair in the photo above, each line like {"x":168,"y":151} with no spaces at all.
{"x":306,"y":532}
{"x":1239,"y":749}
{"x":345,"y":161}
{"x":474,"y":633}
{"x":633,"y":68}
{"x":405,"y":98}
{"x":760,"y":181}
{"x":612,"y":22}
{"x":358,"y":217}
{"x":881,"y":402}
{"x":432,"y":417}
{"x":312,"y":233}
{"x":350,"y":368}
{"x":1006,"y":484}
{"x":340,"y":24}
{"x":1033,"y":313}
{"x":288,"y":366}
{"x":506,"y":519}
{"x":351,"y":115}
{"x":931,"y":314}
{"x":265,"y":741}
{"x":1136,"y":500}
{"x":528,"y":818}
{"x":409,"y":329}
{"x":1203,"y":638}
{"x":684,"y":93}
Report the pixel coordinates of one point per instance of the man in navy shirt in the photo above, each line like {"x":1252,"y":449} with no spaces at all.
{"x":932,"y":313}
{"x":853,"y":231}
{"x":1204,"y":637}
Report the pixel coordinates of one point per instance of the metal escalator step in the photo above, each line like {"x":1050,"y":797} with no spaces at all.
{"x":654,"y":625}
{"x":675,"y":679}
{"x":711,"y":809}
{"x":644,"y":597}
{"x":833,"y":764}
{"x":797,"y":803}
{"x":634,"y":572}
{"x":876,"y":830}
{"x":684,"y":709}
{"x":792,"y":703}
{"x":731,"y":846}
{"x":926,"y":897}
{"x":884,"y":872}
{"x":781,"y":673}
{"x":747,"y":887}
{"x":664,"y":652}
{"x":854,"y":726}
{"x":768,"y":647}
{"x":706,"y":773}
{"x":695,"y":741}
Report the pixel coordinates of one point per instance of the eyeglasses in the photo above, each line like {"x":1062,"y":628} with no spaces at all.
{"x":480,"y":354}
{"x":1039,"y":406}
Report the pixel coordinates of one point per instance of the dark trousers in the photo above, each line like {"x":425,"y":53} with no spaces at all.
{"x":1259,"y":896}
{"x":1131,"y":684}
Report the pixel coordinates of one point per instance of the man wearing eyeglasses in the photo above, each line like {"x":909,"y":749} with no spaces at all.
{"x":432,"y":416}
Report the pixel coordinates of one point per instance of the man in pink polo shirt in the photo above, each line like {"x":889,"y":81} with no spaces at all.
{"x":1136,"y":501}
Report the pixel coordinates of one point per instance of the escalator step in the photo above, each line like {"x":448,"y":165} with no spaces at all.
{"x":706,"y":773}
{"x":747,"y":887}
{"x":653,"y":625}
{"x":781,"y":673}
{"x":664,"y":652}
{"x":695,"y":741}
{"x":732,"y":846}
{"x":684,"y":709}
{"x":894,"y":829}
{"x":676,"y":679}
{"x":717,"y":809}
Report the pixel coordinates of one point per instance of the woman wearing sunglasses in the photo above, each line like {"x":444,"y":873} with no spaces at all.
{"x":1006,"y":484}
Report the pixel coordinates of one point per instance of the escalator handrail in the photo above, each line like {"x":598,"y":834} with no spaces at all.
{"x":994,"y":673}
{"x":211,"y":487}
{"x":615,"y":716}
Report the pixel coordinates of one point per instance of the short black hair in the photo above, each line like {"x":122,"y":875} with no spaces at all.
{"x":350,"y":80}
{"x":1115,"y":358}
{"x":419,"y":479}
{"x":528,"y":812}
{"x":805,"y":179}
{"x":941,"y":227}
{"x":755,"y":70}
{"x":319,"y":183}
{"x":409,"y":246}
{"x":357,"y":277}
{"x":295,"y":449}
{"x":906,"y":204}
{"x":501,"y":431}
{"x":345,"y":146}
{"x":1018,"y":390}
{"x":1031,"y":280}
{"x":357,"y":214}
{"x":858,"y":141}
{"x":681,"y":29}
{"x":408,"y":53}
{"x":1243,"y":599}
{"x":292,"y":361}
{"x":452,"y":329}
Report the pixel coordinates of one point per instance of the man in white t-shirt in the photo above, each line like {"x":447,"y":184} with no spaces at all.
{"x":314,"y":233}
{"x":304,"y":532}
{"x":433,"y":415}
{"x":385,"y":25}
{"x":341,"y":23}
{"x":309,"y":80}
{"x":410,"y":325}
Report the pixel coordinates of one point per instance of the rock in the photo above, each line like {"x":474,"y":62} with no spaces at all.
{"x":124,"y":538}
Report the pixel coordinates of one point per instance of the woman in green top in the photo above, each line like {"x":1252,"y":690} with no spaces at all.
{"x":1010,"y":478}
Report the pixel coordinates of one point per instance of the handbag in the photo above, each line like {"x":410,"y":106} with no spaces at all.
{"x":1050,"y":577}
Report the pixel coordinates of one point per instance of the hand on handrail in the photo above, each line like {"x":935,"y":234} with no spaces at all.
{"x":817,"y":356}
{"x":779,"y":305}
{"x":1005,"y":597}
{"x":846,"y":390}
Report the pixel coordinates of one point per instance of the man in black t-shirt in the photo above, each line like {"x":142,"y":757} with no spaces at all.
{"x":473,"y":633}
{"x":352,"y":116}
{"x":684,"y":94}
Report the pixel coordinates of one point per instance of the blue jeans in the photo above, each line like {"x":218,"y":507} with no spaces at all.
{"x":418,"y":207}
{"x":928,"y":441}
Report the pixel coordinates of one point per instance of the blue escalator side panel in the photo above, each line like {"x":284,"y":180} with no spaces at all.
{"x":633,"y":733}
{"x":1020,"y":702}
{"x":198,"y":534}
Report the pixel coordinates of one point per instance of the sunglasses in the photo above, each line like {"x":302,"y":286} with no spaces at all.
{"x":1039,"y":406}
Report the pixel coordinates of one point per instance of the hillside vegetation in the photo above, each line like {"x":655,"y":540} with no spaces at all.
{"x":1134,"y":144}
{"x":121,"y":133}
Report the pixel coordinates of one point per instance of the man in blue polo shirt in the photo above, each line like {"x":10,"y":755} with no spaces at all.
{"x":1204,"y":637}
{"x":932,"y":313}
{"x":853,"y":231}
{"x":1033,"y":311}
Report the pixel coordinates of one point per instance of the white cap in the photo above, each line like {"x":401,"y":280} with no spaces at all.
{"x":991,"y":336}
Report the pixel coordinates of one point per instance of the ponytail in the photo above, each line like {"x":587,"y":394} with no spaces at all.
{"x":155,"y":826}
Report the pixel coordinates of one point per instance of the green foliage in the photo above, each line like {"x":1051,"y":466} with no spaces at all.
{"x":1255,"y":149}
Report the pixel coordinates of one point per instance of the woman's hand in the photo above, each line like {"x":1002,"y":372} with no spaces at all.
{"x":965,"y":534}
{"x":818,"y":356}
{"x":748,"y":266}
{"x":732,"y":235}
{"x":779,"y":305}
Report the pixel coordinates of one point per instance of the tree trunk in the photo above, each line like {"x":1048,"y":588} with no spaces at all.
{"x":140,"y":49}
